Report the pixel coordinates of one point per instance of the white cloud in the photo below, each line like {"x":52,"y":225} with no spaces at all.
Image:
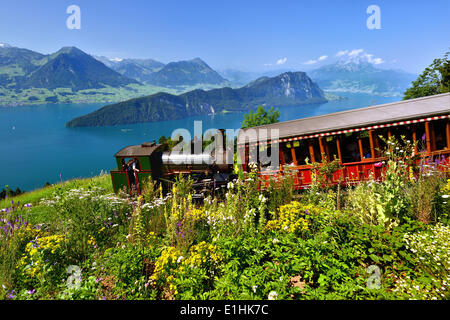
{"x":321,"y":58}
{"x":355,"y":53}
{"x":358,"y":55}
{"x":341,"y":53}
{"x":281,"y":61}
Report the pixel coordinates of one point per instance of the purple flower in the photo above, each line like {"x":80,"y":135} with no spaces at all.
{"x":31,"y":291}
{"x":307,"y":212}
{"x":12,"y":294}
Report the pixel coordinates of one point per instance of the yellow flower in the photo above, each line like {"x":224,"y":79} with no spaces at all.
{"x":293,"y":217}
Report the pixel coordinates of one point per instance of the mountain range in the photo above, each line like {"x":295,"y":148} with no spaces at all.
{"x":287,"y":89}
{"x":361,"y":77}
{"x":66,"y":68}
{"x":172,"y":75}
{"x":138,"y":69}
{"x":73,"y":76}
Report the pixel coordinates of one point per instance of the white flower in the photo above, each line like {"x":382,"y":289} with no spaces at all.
{"x":445,"y":196}
{"x":179,"y":259}
{"x":261,"y":198}
{"x":273,"y":295}
{"x":254,"y":288}
{"x":275,"y":241}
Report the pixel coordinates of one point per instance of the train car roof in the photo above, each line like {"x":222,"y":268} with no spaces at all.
{"x":142,"y":150}
{"x":374,"y":115}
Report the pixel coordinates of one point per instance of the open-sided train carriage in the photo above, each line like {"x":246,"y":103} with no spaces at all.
{"x":352,"y":137}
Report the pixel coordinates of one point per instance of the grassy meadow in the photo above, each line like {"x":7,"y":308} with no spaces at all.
{"x":385,"y":239}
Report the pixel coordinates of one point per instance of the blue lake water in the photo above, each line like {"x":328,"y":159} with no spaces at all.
{"x":36,"y":147}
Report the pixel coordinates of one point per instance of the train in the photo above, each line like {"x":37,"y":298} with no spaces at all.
{"x":207,"y":171}
{"x":352,"y":136}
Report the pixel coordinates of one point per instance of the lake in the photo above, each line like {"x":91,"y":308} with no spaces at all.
{"x":37,"y":147}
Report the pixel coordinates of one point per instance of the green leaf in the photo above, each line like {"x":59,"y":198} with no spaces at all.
{"x":374,"y":258}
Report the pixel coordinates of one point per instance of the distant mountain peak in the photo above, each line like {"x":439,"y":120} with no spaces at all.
{"x":198,"y":60}
{"x":4,"y":45}
{"x":68,"y":49}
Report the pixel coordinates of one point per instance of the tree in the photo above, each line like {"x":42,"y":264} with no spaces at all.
{"x":260,"y":118}
{"x":434,"y":79}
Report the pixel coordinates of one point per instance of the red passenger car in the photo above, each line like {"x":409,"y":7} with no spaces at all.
{"x":352,"y":137}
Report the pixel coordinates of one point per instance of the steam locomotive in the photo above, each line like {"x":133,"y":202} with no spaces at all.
{"x":208,"y":171}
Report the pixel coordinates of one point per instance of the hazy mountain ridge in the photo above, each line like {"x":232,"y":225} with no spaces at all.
{"x":187,"y":72}
{"x":287,"y":89}
{"x":172,"y":75}
{"x":361,"y":77}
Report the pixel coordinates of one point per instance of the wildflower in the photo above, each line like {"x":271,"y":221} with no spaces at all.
{"x":254,"y":288}
{"x":273,"y":295}
{"x":275,"y":241}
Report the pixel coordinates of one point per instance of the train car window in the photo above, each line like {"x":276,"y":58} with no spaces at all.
{"x":301,"y":152}
{"x":381,"y":134}
{"x":440,"y":134}
{"x":317,"y":153}
{"x":253,"y":154}
{"x":399,"y":131}
{"x":264,"y":155}
{"x":365,"y":142}
{"x":420,"y":137}
{"x":286,"y":148}
{"x":350,"y":148}
{"x":331,"y":145}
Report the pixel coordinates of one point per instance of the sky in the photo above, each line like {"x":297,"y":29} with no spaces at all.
{"x":247,"y":35}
